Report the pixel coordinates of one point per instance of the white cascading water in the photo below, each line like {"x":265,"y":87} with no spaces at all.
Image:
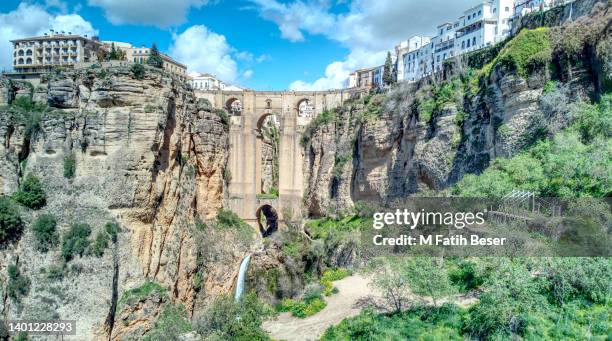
{"x":241,"y":277}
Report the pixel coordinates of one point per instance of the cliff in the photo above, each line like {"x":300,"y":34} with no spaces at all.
{"x":423,"y":137}
{"x":139,"y":150}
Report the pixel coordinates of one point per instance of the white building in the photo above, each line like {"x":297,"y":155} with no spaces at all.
{"x":207,"y":82}
{"x":444,"y":44}
{"x":484,"y":24}
{"x":377,"y":76}
{"x":407,"y":54}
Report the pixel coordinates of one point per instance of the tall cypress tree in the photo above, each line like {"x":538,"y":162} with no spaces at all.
{"x":155,"y":58}
{"x":388,"y":71}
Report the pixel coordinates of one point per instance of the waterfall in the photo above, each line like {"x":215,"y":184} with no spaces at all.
{"x":241,"y":277}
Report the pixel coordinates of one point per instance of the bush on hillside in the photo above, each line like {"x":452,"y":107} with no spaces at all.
{"x":69,"y":166}
{"x":226,"y":319}
{"x":11,"y":225}
{"x":75,"y":241}
{"x":18,"y":284}
{"x":172,"y":323}
{"x":31,"y":193}
{"x":45,"y":234}
{"x":138,"y":71}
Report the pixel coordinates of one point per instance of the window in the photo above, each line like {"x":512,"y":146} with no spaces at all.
{"x":507,"y":9}
{"x":474,"y":41}
{"x":463,"y":44}
{"x":479,"y":13}
{"x":469,"y":17}
{"x":468,"y":43}
{"x":438,"y":59}
{"x":494,"y":10}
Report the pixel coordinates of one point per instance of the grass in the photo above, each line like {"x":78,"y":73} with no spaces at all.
{"x":302,"y":308}
{"x":528,"y":51}
{"x":321,"y":228}
{"x":140,"y":293}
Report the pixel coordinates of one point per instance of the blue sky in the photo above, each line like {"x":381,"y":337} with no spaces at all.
{"x":260,"y":44}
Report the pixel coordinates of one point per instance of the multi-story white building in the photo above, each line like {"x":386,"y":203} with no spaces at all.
{"x":444,"y":44}
{"x":43,"y":53}
{"x":523,"y":7}
{"x":407,"y":56}
{"x":377,"y":76}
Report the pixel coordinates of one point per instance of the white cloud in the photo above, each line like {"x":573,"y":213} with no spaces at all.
{"x":368,"y":29}
{"x":247,"y":74}
{"x":161,"y":13}
{"x":205,"y":51}
{"x":31,"y":20}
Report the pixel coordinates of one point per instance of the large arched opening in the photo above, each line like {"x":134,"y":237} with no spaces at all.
{"x":268,"y":140}
{"x":305,"y":108}
{"x":267,"y":220}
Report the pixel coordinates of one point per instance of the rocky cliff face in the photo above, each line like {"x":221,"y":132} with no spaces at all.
{"x":146,"y":155}
{"x":382,"y":147}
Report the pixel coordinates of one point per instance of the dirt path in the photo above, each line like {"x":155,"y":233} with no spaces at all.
{"x":354,"y":293}
{"x":342,"y":305}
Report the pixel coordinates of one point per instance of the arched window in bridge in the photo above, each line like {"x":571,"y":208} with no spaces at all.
{"x":305,"y":108}
{"x":268,"y":104}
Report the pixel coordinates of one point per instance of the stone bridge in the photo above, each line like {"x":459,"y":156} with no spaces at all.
{"x":292,"y":112}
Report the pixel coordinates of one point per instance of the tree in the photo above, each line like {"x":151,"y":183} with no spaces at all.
{"x":427,"y":278}
{"x":31,"y":193}
{"x":11,"y":224}
{"x":155,"y":58}
{"x":388,"y":71}
{"x":391,"y":281}
{"x":45,"y":233}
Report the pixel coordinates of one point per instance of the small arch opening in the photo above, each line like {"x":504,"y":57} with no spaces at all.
{"x":267,"y":220}
{"x":234,"y":106}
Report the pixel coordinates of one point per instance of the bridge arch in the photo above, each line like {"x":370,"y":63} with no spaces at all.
{"x":234,"y":106}
{"x":266,"y":214}
{"x":305,"y":107}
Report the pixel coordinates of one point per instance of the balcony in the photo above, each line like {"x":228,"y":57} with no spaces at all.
{"x":449,"y":44}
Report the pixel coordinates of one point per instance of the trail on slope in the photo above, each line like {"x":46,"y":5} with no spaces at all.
{"x":355,"y":293}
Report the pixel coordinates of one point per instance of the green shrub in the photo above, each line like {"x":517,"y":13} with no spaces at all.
{"x":223,"y":115}
{"x":112,"y":228}
{"x":170,"y":325}
{"x":331,"y":275}
{"x":529,"y":49}
{"x":18,"y":285}
{"x":31,"y":193}
{"x":138,"y":71}
{"x":75,"y":241}
{"x":550,"y":86}
{"x":100,"y":244}
{"x":140,"y":293}
{"x":11,"y":224}
{"x":45,"y":234}
{"x":55,"y":272}
{"x":69,"y":166}
{"x":303,"y":308}
{"x":226,"y":319}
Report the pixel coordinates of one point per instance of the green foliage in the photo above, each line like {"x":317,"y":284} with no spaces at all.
{"x":45,"y":233}
{"x":326,"y":227}
{"x":138,"y":71}
{"x":149,"y":108}
{"x":229,"y":320}
{"x":339,"y":163}
{"x":573,"y":164}
{"x":112,"y":229}
{"x":387,"y":77}
{"x":11,"y":225}
{"x":170,"y":325}
{"x":429,"y":102}
{"x":426,"y":323}
{"x":116,"y":54}
{"x":75,"y":241}
{"x":100,"y":243}
{"x":140,"y":293}
{"x":69,"y":166}
{"x":465,"y":275}
{"x":229,"y":220}
{"x":302,"y":308}
{"x":331,"y":275}
{"x":550,"y":86}
{"x":55,"y":272}
{"x":272,"y":194}
{"x":31,"y":193}
{"x":427,"y":277}
{"x":18,"y":284}
{"x":223,"y":115}
{"x":155,"y":58}
{"x":324,"y":118}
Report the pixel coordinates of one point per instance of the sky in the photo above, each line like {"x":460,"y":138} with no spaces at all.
{"x":258,"y":44}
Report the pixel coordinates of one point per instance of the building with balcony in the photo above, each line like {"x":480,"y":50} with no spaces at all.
{"x":362,"y":78}
{"x":208,"y":82}
{"x":43,"y":53}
